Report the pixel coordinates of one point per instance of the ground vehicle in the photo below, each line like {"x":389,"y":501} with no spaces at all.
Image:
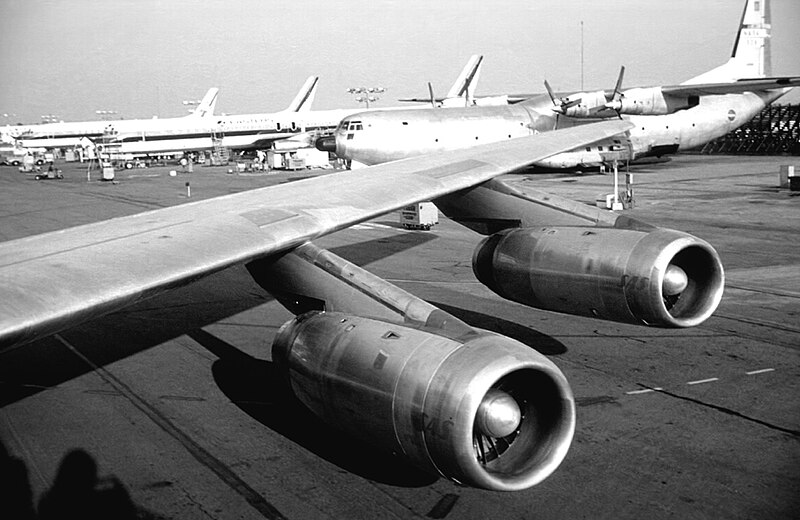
{"x":421,"y":215}
{"x":49,"y":174}
{"x":12,"y":156}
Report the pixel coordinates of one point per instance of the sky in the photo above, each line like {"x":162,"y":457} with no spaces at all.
{"x":142,"y":58}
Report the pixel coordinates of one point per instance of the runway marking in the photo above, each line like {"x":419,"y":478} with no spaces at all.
{"x":762,"y":371}
{"x":371,"y":225}
{"x":645,"y":391}
{"x":732,"y":412}
{"x":701,"y":381}
{"x":697,"y":382}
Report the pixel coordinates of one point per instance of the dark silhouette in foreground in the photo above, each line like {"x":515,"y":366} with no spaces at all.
{"x":78,"y":492}
{"x":16,"y":497}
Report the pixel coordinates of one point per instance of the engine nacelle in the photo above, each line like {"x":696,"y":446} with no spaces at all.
{"x":583,"y":104}
{"x":651,"y":101}
{"x":326,"y":144}
{"x":663,"y":277}
{"x":483,"y":410}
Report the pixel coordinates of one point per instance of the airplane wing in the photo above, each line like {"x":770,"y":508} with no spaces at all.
{"x":55,"y":280}
{"x":704,"y":89}
{"x":736,"y":87}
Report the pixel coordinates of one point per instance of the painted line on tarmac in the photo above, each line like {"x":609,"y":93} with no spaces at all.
{"x":697,"y":382}
{"x":762,"y":371}
{"x":363,"y":227}
{"x":723,"y":409}
{"x":645,"y":391}
{"x":702,"y":381}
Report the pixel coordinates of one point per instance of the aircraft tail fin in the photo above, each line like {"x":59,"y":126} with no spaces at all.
{"x":207,"y":104}
{"x":751,"y":49}
{"x":305,"y":97}
{"x":464,"y":86}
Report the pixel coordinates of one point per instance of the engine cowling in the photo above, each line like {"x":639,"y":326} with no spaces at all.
{"x":326,"y":144}
{"x":485,"y":411}
{"x":663,"y":277}
{"x":651,"y":101}
{"x":585,"y":104}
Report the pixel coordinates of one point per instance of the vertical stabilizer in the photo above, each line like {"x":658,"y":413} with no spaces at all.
{"x":751,"y":50}
{"x":207,"y":104}
{"x":303,"y":100}
{"x":464,"y":87}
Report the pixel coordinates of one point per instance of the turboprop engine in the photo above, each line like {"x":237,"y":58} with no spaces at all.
{"x":650,"y":102}
{"x":662,"y":277}
{"x":482,"y":410}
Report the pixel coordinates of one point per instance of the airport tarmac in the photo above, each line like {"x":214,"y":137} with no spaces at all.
{"x":177,"y":396}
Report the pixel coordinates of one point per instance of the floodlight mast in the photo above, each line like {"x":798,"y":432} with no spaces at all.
{"x":366,"y":94}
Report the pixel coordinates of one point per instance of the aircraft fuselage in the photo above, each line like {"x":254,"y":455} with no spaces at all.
{"x":376,"y":137}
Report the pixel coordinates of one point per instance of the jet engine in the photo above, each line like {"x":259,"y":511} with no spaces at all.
{"x":482,"y":410}
{"x":663,"y":277}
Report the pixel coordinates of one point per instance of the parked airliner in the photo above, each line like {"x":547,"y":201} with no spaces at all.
{"x":666,"y":118}
{"x":74,"y":133}
{"x":299,"y":127}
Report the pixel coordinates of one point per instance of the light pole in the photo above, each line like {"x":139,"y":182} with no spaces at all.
{"x":105,"y":115}
{"x":366,"y":94}
{"x":191,"y":103}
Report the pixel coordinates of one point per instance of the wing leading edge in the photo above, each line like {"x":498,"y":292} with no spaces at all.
{"x":52,"y":281}
{"x":734,"y":87}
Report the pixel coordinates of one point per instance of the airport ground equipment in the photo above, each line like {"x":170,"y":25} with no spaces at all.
{"x":422,"y":215}
{"x":50,"y":174}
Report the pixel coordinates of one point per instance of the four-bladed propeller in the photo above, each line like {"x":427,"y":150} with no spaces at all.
{"x":589,"y":104}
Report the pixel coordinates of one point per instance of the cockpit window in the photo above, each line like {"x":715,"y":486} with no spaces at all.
{"x":350,"y":126}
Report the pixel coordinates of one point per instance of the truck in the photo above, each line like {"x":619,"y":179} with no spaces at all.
{"x":13,"y":156}
{"x":422,"y":215}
